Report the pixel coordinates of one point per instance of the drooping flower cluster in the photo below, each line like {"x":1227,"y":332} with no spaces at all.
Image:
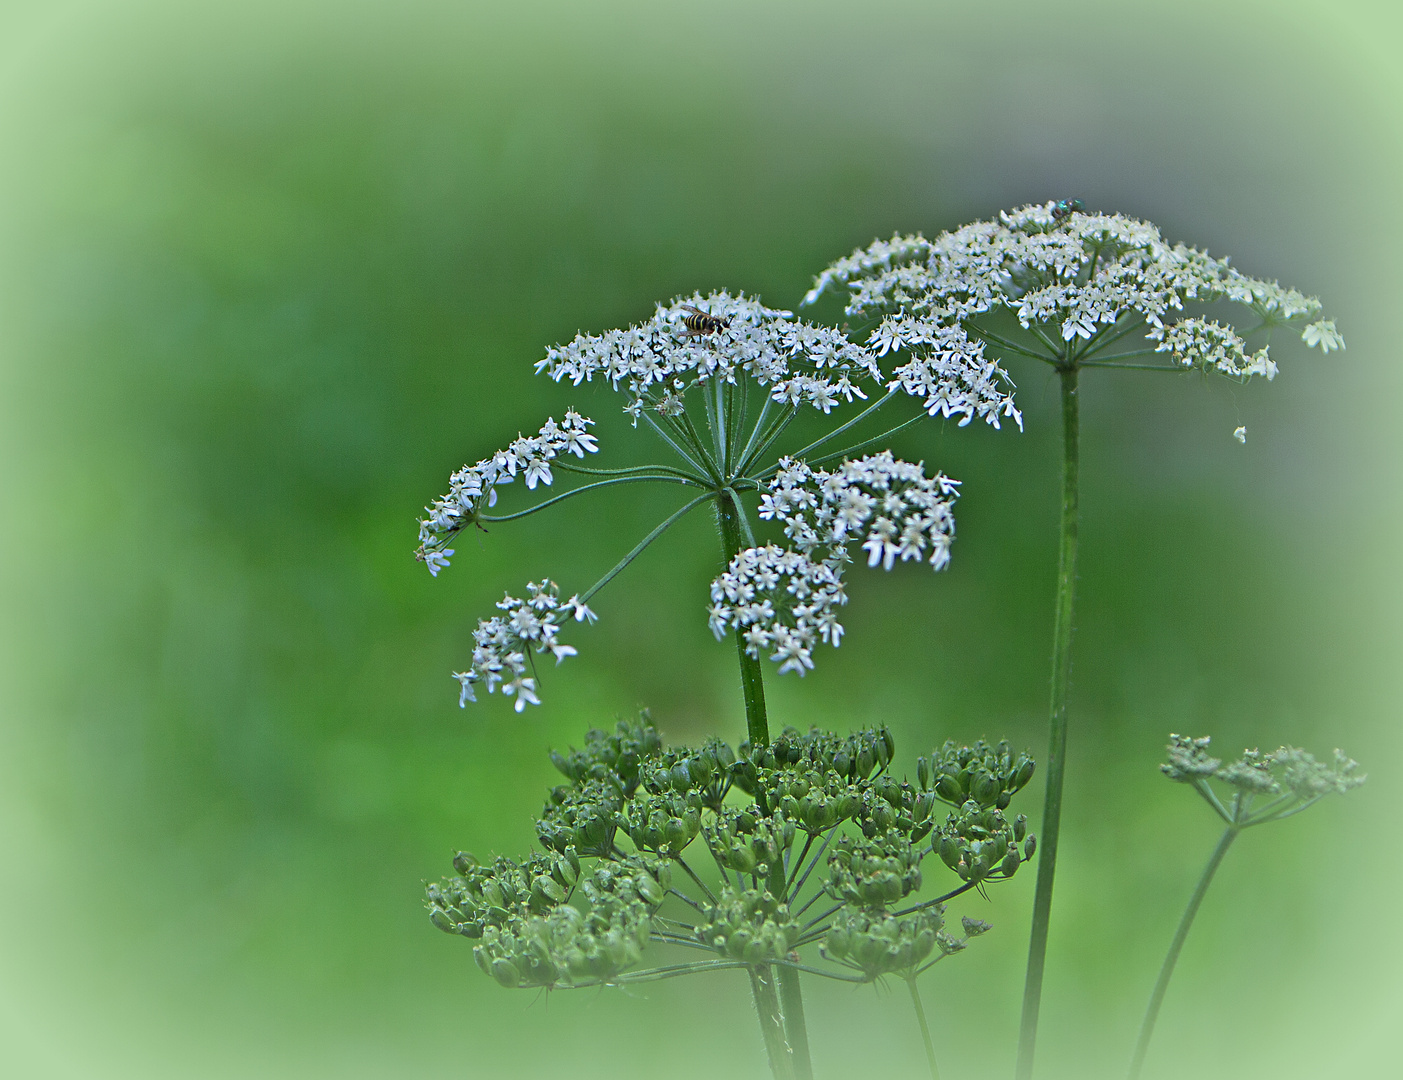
{"x":695,"y":341}
{"x":474,"y":487}
{"x":1081,"y":272}
{"x":502,"y":644}
{"x":891,"y":505}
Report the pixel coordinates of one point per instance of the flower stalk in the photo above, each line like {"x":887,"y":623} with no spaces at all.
{"x":1166,"y":971}
{"x":1057,"y":737}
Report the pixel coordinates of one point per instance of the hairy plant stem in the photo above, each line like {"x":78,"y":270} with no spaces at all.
{"x":1057,"y":740}
{"x":1142,"y":1044}
{"x":925,"y":1029}
{"x":762,"y":986}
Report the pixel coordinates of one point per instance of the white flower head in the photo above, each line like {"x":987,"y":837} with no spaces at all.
{"x":785,"y":601}
{"x":473,"y":488}
{"x":1070,"y":276}
{"x":781,"y":602}
{"x":695,"y":341}
{"x":1323,"y":335}
{"x":503,"y":645}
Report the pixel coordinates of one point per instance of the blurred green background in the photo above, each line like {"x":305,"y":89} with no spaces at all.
{"x":270,"y":271}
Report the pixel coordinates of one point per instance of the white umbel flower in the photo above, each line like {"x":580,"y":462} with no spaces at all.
{"x":1071,"y":276}
{"x":781,"y":602}
{"x":502,"y":644}
{"x":657,"y":362}
{"x":473,"y":488}
{"x":784,"y":602}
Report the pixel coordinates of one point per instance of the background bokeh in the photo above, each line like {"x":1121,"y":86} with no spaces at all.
{"x":270,"y":271}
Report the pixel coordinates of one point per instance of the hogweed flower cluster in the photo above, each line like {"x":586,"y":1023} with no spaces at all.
{"x":658,"y":362}
{"x":1079,"y":273}
{"x":719,"y":379}
{"x":502,"y":645}
{"x":782,"y":602}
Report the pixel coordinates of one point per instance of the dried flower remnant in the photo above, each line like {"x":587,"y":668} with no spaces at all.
{"x":1265,"y":787}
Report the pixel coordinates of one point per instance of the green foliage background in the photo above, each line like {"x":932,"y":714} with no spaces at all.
{"x":270,"y":271}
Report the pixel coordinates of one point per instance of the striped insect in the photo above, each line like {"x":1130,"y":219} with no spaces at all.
{"x":699,"y":323}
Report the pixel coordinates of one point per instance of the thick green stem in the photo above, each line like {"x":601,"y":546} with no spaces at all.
{"x":1147,"y":1028}
{"x":1057,"y":741}
{"x":762,"y":986}
{"x":925,"y":1029}
{"x":751,"y":680}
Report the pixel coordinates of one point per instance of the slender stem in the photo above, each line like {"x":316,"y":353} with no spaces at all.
{"x":1057,"y":740}
{"x":762,"y":987}
{"x":798,"y":865}
{"x":818,"y":856}
{"x":1142,"y":1044}
{"x":925,"y":1029}
{"x":673,"y":970}
{"x":939,"y":899}
{"x":629,"y":470}
{"x":755,"y":432}
{"x":1012,"y":346}
{"x":1113,"y":335}
{"x":638,"y":550}
{"x":692,"y":874}
{"x":751,"y":678}
{"x":859,"y":418}
{"x":676,"y":449}
{"x":849,"y":450}
{"x":579,"y":490}
{"x":1135,"y":367}
{"x":776,"y":430}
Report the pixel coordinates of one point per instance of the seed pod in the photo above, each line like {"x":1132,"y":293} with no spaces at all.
{"x":1020,"y":827}
{"x":923,"y":776}
{"x":889,"y":744}
{"x":865,"y":761}
{"x":1024,"y":774}
{"x":985,"y":788}
{"x":440,"y":918}
{"x":1030,"y":845}
{"x":1010,"y":864}
{"x":505,"y":972}
{"x":463,"y":862}
{"x":948,"y":788}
